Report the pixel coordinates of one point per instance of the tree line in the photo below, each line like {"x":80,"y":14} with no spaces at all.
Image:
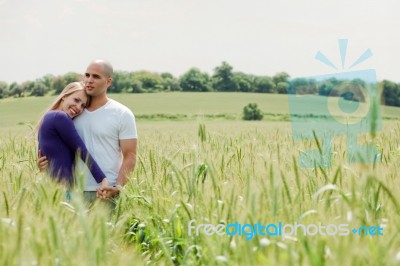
{"x":223,"y":79}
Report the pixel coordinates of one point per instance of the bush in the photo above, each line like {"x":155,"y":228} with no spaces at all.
{"x":251,"y":112}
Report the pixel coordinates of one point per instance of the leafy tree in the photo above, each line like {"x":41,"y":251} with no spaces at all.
{"x":39,"y":89}
{"x":47,"y":80}
{"x":282,"y":87}
{"x":136,"y":86}
{"x":3,"y":89}
{"x":223,"y":78}
{"x":60,"y":82}
{"x":325,"y":87}
{"x":167,"y":75}
{"x":169,"y":82}
{"x":121,"y":82}
{"x":352,"y":90}
{"x":303,"y":86}
{"x":27,"y":87}
{"x":312,"y":87}
{"x":252,"y":112}
{"x":390,"y":93}
{"x":264,"y":84}
{"x":72,"y":77}
{"x":195,"y":80}
{"x":243,"y":81}
{"x":15,"y":90}
{"x":279,"y":80}
{"x":150,"y":81}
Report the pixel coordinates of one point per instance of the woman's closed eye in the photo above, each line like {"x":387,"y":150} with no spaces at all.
{"x":79,"y":101}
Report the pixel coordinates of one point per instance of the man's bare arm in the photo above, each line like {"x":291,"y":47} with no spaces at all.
{"x":128,"y":149}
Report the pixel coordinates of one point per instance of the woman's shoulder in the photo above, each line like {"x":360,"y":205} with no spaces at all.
{"x":56,"y":114}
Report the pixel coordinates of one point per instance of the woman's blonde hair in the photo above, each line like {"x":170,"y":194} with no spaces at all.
{"x":68,"y":90}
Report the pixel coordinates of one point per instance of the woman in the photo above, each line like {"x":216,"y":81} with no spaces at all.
{"x":58,"y":139}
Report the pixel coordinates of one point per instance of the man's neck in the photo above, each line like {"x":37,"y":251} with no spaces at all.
{"x":97,"y":102}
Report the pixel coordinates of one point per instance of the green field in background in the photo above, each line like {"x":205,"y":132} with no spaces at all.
{"x":17,"y":112}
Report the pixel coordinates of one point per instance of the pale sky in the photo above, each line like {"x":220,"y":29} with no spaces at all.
{"x":261,"y":37}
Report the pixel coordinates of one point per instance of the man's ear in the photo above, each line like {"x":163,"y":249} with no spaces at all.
{"x":109,"y":81}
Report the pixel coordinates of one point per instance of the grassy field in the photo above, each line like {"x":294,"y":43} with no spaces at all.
{"x":167,"y":106}
{"x":213,"y":169}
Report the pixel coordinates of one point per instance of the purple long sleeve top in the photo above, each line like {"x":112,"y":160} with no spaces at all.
{"x":59,"y":142}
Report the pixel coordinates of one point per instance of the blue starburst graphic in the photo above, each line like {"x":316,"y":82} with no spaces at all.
{"x":343,"y":52}
{"x":344,"y":103}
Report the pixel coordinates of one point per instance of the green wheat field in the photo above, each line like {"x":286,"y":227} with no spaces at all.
{"x":197,"y":159}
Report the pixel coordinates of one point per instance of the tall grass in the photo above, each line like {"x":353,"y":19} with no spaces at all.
{"x":39,"y":227}
{"x":215,"y":173}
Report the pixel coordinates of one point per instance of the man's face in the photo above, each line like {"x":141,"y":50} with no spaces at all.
{"x":96,"y":82}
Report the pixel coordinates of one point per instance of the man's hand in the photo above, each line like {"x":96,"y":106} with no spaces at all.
{"x":42,"y":162}
{"x":107,"y":192}
{"x":100,"y":192}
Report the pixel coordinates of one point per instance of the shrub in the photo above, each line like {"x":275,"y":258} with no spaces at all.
{"x":252,"y":112}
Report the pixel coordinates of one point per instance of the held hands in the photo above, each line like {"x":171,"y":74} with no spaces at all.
{"x":105,"y":191}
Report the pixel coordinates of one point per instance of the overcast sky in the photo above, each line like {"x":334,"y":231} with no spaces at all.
{"x":262,"y":37}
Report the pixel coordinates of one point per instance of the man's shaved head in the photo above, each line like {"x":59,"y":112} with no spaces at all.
{"x":108,"y":69}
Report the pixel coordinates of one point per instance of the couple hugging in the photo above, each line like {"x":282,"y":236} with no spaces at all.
{"x":84,"y":122}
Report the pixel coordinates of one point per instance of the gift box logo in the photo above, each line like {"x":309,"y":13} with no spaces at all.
{"x":341,"y":104}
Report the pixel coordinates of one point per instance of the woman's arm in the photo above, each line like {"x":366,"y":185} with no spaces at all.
{"x":67,"y":131}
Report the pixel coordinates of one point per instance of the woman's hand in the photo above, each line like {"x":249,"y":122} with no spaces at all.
{"x":104,"y":183}
{"x":101,"y":192}
{"x":108,"y":192}
{"x":42,"y":162}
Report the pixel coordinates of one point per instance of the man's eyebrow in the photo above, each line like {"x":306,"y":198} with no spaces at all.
{"x":94,"y":75}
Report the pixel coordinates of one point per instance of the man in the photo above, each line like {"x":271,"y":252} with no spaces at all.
{"x":108,"y":130}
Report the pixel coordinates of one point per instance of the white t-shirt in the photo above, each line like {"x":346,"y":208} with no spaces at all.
{"x":101,"y":131}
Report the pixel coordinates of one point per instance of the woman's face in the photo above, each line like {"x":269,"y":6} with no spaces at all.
{"x":74,"y":103}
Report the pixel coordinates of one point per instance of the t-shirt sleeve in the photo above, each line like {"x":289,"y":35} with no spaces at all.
{"x":67,"y":131}
{"x":127,"y":126}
